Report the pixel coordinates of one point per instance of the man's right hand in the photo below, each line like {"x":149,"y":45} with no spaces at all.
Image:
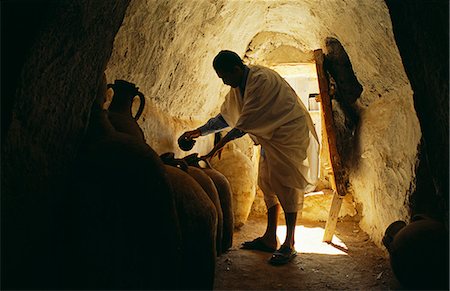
{"x":191,"y":134}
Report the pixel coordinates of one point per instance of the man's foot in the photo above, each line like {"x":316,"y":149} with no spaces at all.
{"x":283,"y":256}
{"x":258,"y":244}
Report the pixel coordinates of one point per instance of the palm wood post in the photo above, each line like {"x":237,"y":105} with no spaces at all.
{"x":336,"y":170}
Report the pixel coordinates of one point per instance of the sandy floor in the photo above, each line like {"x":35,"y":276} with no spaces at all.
{"x":351,"y":262}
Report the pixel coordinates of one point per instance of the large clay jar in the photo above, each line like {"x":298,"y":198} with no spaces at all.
{"x":191,"y":166}
{"x":239,"y":171}
{"x":225,"y":196}
{"x":210,"y":188}
{"x":198,"y":223}
{"x":121,"y":228}
{"x":226,"y":202}
{"x":419,"y":253}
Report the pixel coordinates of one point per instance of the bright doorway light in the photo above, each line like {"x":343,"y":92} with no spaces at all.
{"x":309,"y":240}
{"x":302,"y":77}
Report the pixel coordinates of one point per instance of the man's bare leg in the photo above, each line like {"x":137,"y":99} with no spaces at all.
{"x":270,"y":236}
{"x":268,"y":242}
{"x":291,"y":221}
{"x":287,"y":251}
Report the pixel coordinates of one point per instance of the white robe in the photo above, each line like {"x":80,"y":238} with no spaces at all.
{"x":274,"y":117}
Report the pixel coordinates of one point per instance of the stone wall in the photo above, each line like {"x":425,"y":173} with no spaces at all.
{"x":167,"y":48}
{"x":421,"y":32}
{"x":70,"y":43}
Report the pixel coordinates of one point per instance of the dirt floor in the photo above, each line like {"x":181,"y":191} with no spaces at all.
{"x":351,"y":262}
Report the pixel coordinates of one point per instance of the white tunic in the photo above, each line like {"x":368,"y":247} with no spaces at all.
{"x":274,"y":117}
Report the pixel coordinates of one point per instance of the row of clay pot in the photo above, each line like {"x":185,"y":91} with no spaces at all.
{"x":203,"y":200}
{"x":130,"y":222}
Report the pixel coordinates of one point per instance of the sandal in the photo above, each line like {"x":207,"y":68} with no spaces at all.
{"x":283,"y":256}
{"x":257,"y":244}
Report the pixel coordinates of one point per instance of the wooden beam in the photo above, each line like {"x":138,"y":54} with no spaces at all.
{"x":337,"y":174}
{"x":325,"y":103}
{"x":330,"y":226}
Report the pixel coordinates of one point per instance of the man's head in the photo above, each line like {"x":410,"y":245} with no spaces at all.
{"x":229,"y":67}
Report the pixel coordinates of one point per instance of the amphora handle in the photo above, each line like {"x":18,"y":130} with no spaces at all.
{"x":141,"y":105}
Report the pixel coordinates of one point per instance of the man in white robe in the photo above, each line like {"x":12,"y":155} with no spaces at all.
{"x":262,"y":104}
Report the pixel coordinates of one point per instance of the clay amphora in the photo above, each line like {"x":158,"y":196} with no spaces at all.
{"x":119,"y":111}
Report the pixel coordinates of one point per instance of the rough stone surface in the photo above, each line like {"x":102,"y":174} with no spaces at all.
{"x":56,"y":52}
{"x":316,"y":206}
{"x":359,"y":264}
{"x":422,"y":35}
{"x":167,"y":49}
{"x":57,"y":85}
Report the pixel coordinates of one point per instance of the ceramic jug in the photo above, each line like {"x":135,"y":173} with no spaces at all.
{"x":124,"y":94}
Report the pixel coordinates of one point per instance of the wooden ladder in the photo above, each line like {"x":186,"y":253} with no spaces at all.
{"x":336,"y":170}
